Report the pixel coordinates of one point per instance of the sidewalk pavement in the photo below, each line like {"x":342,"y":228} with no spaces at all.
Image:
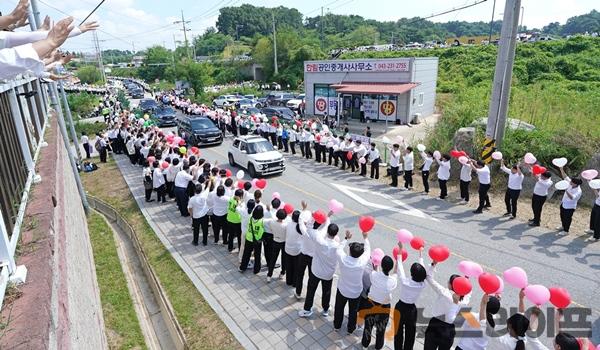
{"x":413,"y":134}
{"x":261,"y":315}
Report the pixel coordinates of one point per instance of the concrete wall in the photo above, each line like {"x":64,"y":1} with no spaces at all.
{"x":425,"y":73}
{"x":59,"y":305}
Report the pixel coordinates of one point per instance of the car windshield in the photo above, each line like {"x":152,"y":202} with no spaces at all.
{"x":249,"y":96}
{"x":148,"y":103}
{"x":202,"y":124}
{"x":166,"y":110}
{"x":245,"y":101}
{"x":260,"y":147}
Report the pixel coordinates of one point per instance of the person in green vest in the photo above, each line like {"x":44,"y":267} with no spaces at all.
{"x":234,"y":219}
{"x":253,"y":242}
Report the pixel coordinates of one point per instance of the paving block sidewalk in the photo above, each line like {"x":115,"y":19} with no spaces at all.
{"x":261,"y":315}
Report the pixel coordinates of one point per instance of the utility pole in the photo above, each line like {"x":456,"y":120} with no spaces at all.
{"x":522,"y":14}
{"x":321,"y":25}
{"x":185,"y":30}
{"x":99,"y":56}
{"x":274,"y":44}
{"x":133,"y":46}
{"x":492,"y":23}
{"x":498,"y":110}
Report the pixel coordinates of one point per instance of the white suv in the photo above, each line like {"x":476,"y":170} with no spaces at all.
{"x":257,"y":155}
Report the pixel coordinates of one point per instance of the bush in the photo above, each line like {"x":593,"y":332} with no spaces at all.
{"x":82,"y":104}
{"x":89,"y":128}
{"x":89,"y":75}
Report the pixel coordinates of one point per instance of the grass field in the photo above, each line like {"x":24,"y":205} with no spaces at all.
{"x":120,"y":320}
{"x":202,"y":327}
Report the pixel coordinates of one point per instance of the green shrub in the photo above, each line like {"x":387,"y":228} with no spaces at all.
{"x":82,"y":104}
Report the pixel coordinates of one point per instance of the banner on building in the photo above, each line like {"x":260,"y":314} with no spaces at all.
{"x":366,"y":65}
{"x":371,"y":108}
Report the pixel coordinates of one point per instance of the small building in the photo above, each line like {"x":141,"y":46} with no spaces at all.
{"x":392,"y":89}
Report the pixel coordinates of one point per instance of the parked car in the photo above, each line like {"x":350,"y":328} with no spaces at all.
{"x":137,"y":93}
{"x":225,"y":100}
{"x":249,"y":111}
{"x":279,"y":112}
{"x":245,"y":103}
{"x":261,"y":102}
{"x":165,"y":116}
{"x":256,"y":155}
{"x":148,"y":105}
{"x":250,"y":97}
{"x":294,"y":104}
{"x":199,"y":131}
{"x":279,"y":99}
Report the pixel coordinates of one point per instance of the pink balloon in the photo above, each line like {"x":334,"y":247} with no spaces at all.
{"x":176,"y":140}
{"x":335,"y":206}
{"x":589,"y":174}
{"x":437,"y":155}
{"x":537,"y":294}
{"x":253,"y":182}
{"x":516,"y":277}
{"x":463,"y":160}
{"x":404,"y":236}
{"x":362,"y":160}
{"x":470,"y":268}
{"x":501,"y":288}
{"x":376,"y":256}
{"x":276,"y":195}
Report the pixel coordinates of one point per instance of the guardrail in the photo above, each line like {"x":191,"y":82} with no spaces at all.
{"x":167,"y":312}
{"x":24,"y":117}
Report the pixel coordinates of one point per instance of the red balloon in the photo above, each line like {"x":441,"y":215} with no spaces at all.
{"x":461,"y":286}
{"x":151,"y":160}
{"x":195,"y":149}
{"x":463,"y":154}
{"x":349,"y":155}
{"x":182,"y":142}
{"x":559,"y":297}
{"x":417,"y":243}
{"x":289,"y":209}
{"x":164,"y":165}
{"x":319,"y":216}
{"x":366,"y":223}
{"x":581,"y":345}
{"x":455,"y":154}
{"x":261,"y":183}
{"x":228,"y":173}
{"x":396,"y":251}
{"x":537,"y":170}
{"x":241,"y":184}
{"x":439,"y":253}
{"x":489,"y":283}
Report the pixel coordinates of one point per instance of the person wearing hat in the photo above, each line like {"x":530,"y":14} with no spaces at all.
{"x":569,"y":202}
{"x":394,"y":163}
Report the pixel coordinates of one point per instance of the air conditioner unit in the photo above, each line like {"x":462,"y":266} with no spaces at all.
{"x":416,"y":119}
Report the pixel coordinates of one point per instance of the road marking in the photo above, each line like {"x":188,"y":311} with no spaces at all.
{"x":383,"y":224}
{"x":405,"y":208}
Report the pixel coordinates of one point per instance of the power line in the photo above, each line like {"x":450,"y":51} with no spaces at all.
{"x":447,"y":11}
{"x":91,"y":13}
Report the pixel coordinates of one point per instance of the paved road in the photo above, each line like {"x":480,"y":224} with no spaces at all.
{"x":495,"y":243}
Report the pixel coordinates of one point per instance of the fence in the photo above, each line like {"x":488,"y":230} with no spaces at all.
{"x":23,"y":120}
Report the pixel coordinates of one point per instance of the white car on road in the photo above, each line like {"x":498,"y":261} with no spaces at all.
{"x":225,"y":100}
{"x":256,"y":155}
{"x":294,"y":104}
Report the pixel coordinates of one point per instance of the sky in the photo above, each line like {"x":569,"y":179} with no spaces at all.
{"x":138,"y":24}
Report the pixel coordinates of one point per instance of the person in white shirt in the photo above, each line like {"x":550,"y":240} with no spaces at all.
{"x":513,"y":190}
{"x":477,"y":326}
{"x":292,"y":248}
{"x":408,"y":165}
{"x":198,"y":209}
{"x":394,"y":163}
{"x":278,"y":228}
{"x":440,"y":331}
{"x":465,"y":182}
{"x":443,"y":175}
{"x":569,"y":202}
{"x":350,"y":283}
{"x":484,"y":179}
{"x":147,"y":173}
{"x":158,"y":182}
{"x":309,"y":140}
{"x":374,"y":160}
{"x":383,"y":284}
{"x":360,"y":152}
{"x":540,"y":193}
{"x":130,"y":147}
{"x":425,"y":168}
{"x":595,"y":219}
{"x":293,"y":137}
{"x":411,"y":289}
{"x":322,"y":269}
{"x":85,"y":141}
{"x":302,"y":136}
{"x":325,"y":138}
{"x":172,"y":171}
{"x":180,"y":186}
{"x":307,"y":250}
{"x":218,"y":217}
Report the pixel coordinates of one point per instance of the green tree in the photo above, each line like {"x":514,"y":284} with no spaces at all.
{"x":363,"y":35}
{"x":211,"y":42}
{"x":89,"y":75}
{"x":248,"y":20}
{"x":155,"y":55}
{"x":198,"y":75}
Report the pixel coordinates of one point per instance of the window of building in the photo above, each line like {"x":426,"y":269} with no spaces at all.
{"x":421,"y":98}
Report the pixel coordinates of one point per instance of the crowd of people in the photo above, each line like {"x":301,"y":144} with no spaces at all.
{"x":36,"y":52}
{"x":232,"y":213}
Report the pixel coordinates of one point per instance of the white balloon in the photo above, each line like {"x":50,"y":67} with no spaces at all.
{"x":239,"y":175}
{"x":497,"y":155}
{"x":385,"y":140}
{"x":421,"y":147}
{"x":437,"y":155}
{"x":560,"y":162}
{"x":562,"y":185}
{"x":595,"y":184}
{"x":529,"y":158}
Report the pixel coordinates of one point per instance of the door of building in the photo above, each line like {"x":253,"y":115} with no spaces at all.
{"x":346,"y":107}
